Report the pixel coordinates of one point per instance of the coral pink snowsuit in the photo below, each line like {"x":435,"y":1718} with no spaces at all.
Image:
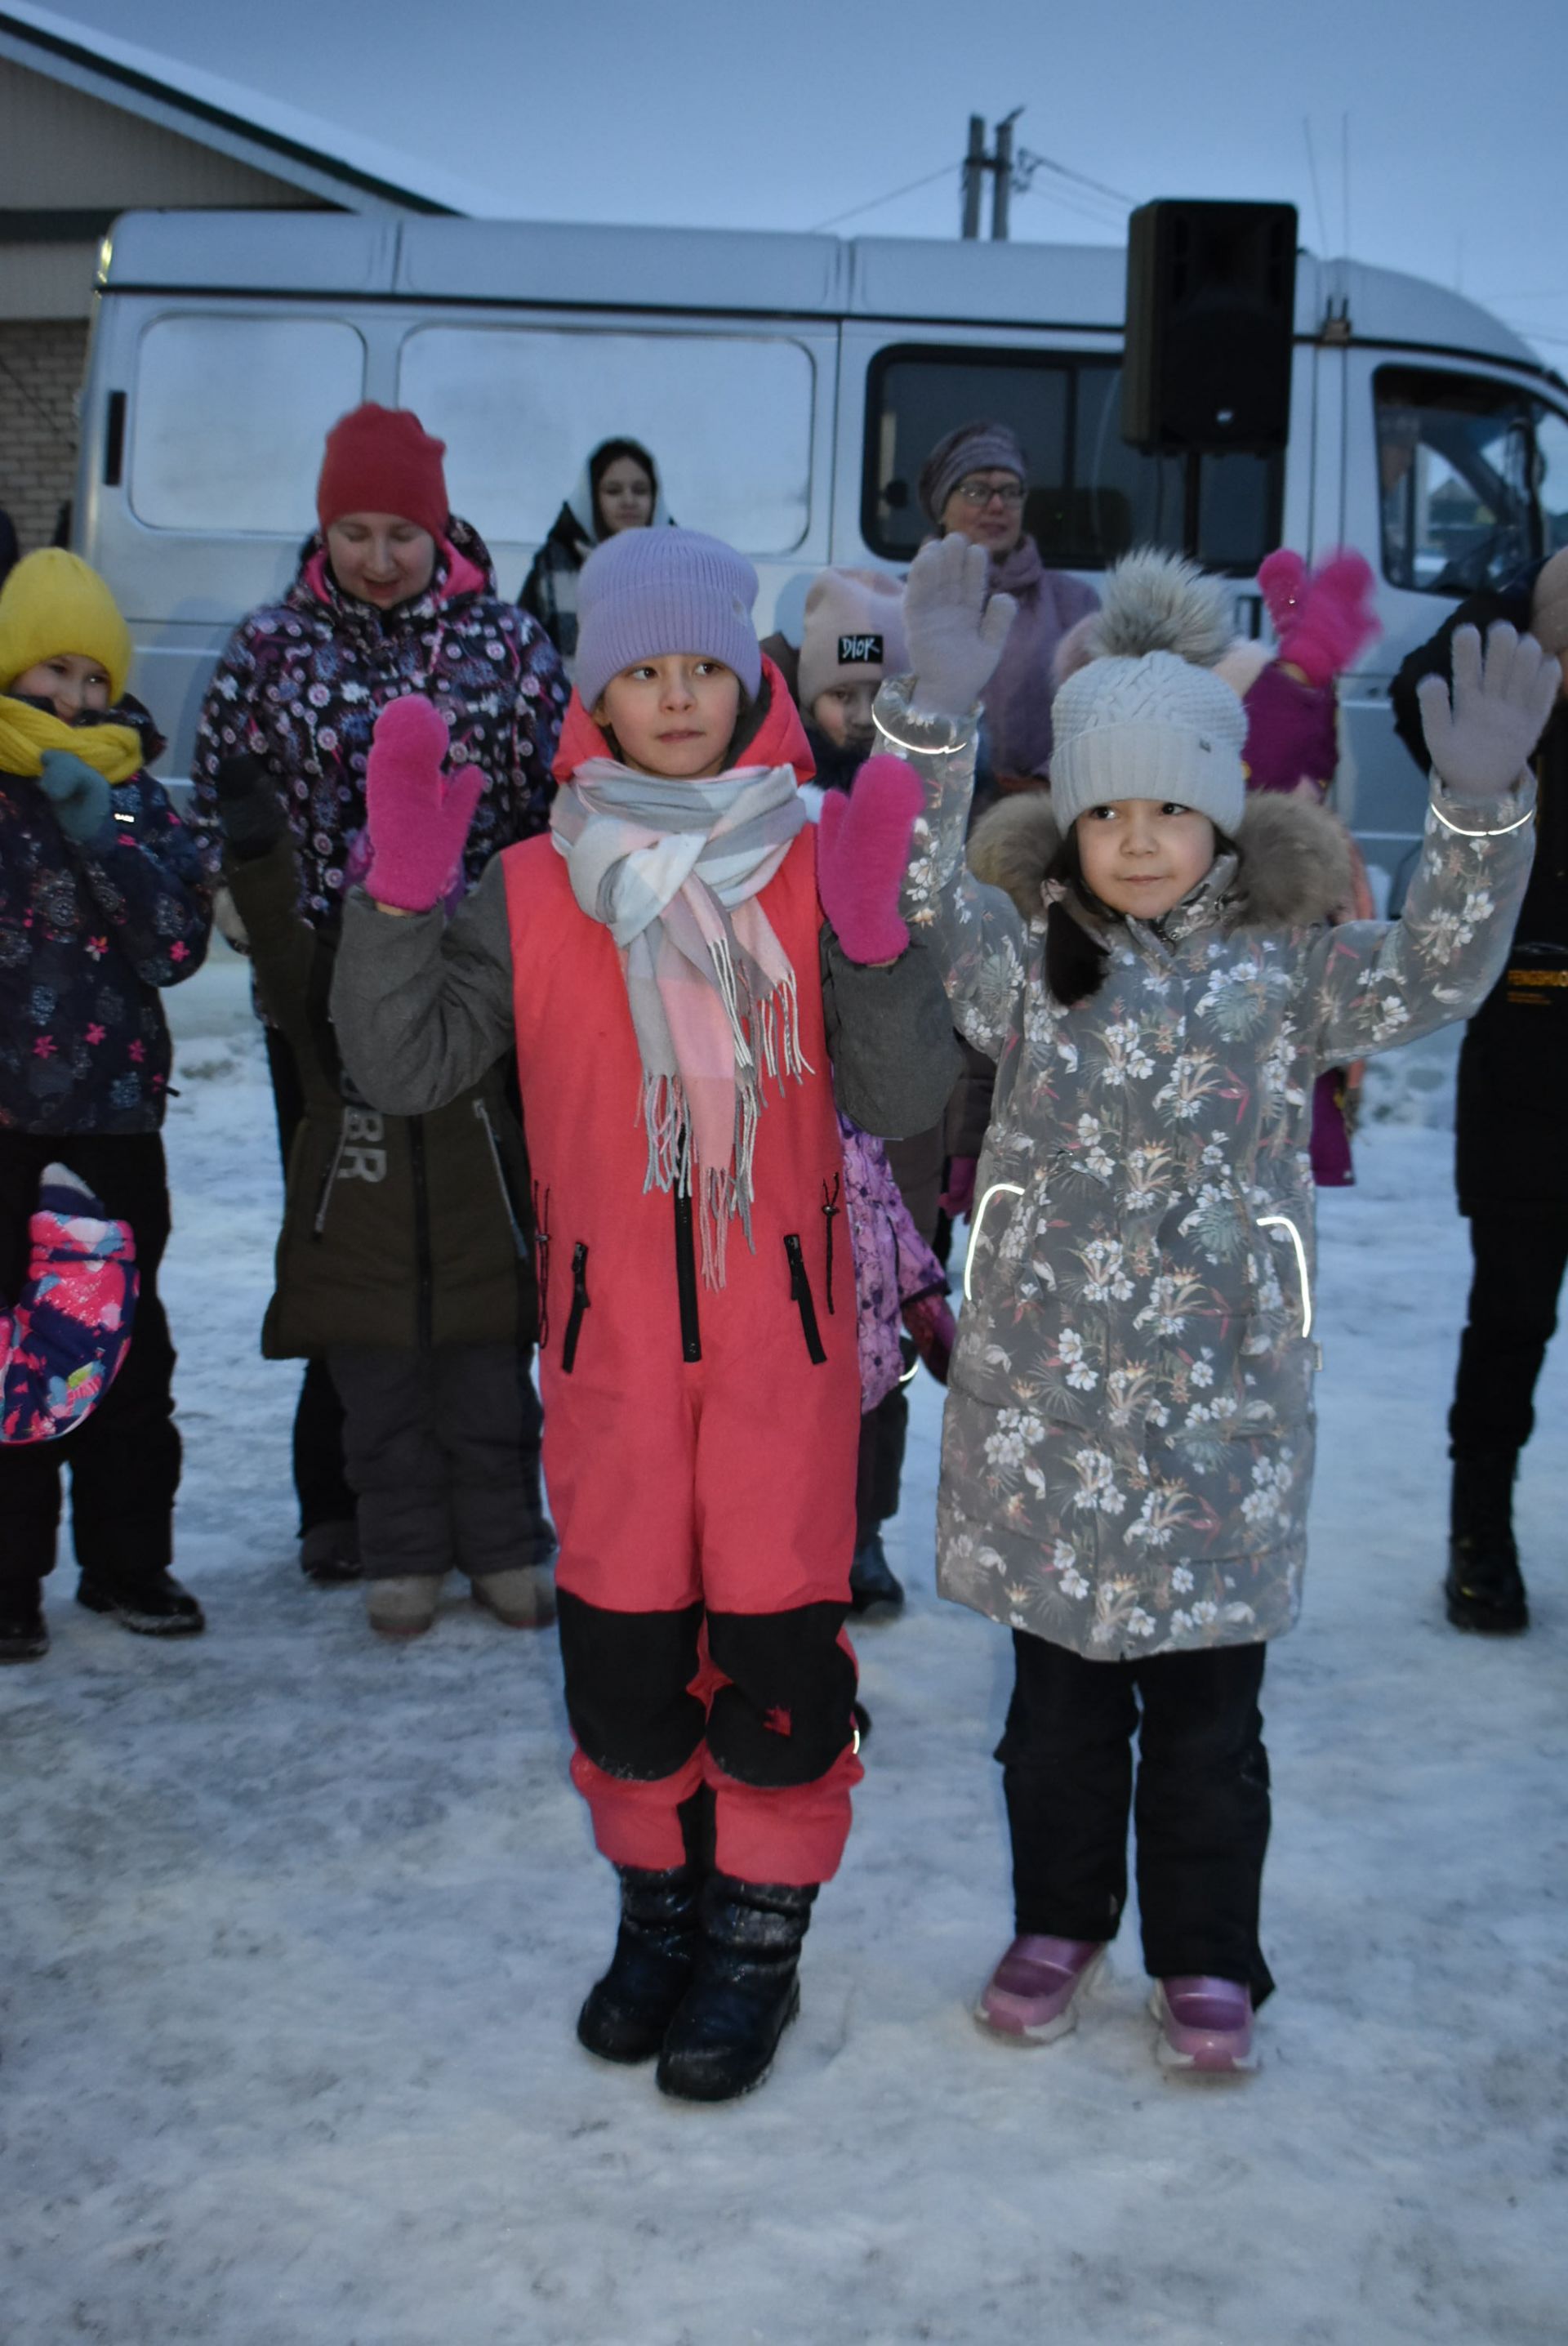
{"x":699,"y":1442}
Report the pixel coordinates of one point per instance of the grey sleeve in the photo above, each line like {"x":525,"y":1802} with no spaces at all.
{"x":890,"y":1031}
{"x":422,"y":1005}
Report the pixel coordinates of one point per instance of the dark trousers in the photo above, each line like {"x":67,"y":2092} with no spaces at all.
{"x":319,"y":1477}
{"x":1519,"y":1266}
{"x":442,"y":1452}
{"x":879,"y":1467}
{"x":1200,"y":1812}
{"x":125,"y":1458}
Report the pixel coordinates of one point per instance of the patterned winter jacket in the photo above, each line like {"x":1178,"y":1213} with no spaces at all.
{"x":88,"y":935}
{"x":63,"y":1341}
{"x":1127,"y":1444}
{"x":303,"y":682}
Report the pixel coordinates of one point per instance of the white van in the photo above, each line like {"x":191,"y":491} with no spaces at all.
{"x":790,"y":388}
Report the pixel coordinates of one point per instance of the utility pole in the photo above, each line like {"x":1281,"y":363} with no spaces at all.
{"x":975,"y":162}
{"x":1002,"y":179}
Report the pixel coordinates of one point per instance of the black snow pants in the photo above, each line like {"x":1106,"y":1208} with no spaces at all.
{"x":125,"y":1458}
{"x":1519,"y":1260}
{"x":878,"y":1466}
{"x":443,"y":1454}
{"x":1201,"y":1813}
{"x":321,"y":1480}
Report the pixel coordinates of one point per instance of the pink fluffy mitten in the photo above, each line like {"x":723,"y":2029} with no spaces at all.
{"x":1323,"y":617}
{"x":416,"y":818}
{"x":862,"y":848}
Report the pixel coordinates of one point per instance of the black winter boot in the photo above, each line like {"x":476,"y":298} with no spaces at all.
{"x":722,"y":2040}
{"x":628,"y":2010}
{"x":1484,"y":1586}
{"x":155,"y":1605}
{"x":23,"y":1634}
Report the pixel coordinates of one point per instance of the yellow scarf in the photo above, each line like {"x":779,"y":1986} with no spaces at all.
{"x":25,"y":732}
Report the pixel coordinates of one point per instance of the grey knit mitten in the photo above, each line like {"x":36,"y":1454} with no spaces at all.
{"x":956,"y":627}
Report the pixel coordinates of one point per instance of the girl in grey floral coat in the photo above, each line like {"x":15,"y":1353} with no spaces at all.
{"x":1127,"y":1444}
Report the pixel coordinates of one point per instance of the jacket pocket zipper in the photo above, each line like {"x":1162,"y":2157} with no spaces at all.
{"x":325,"y":1199}
{"x":579,"y":1305}
{"x":518,"y":1240}
{"x":800,"y":1294}
{"x":685,"y":1278}
{"x":1284,"y":1222}
{"x":997,"y":1189}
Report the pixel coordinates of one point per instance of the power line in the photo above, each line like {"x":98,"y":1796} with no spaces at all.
{"x":893,"y":196}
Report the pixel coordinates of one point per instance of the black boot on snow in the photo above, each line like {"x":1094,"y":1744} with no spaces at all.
{"x":722,"y":2041}
{"x":23,"y":1634}
{"x":874,"y":1586}
{"x":155,"y":1605}
{"x":1484,"y":1587}
{"x":628,"y":2010}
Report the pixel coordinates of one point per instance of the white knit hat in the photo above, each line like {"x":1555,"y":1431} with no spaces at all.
{"x":1153,"y":728}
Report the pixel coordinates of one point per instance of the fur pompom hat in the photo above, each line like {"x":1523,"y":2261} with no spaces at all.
{"x":1145,"y":717}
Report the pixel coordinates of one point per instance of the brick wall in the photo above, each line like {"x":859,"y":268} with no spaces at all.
{"x":41,"y":369}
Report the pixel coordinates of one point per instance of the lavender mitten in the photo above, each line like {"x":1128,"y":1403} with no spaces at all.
{"x":1500,"y":708}
{"x":863,"y":848}
{"x":416,"y":817}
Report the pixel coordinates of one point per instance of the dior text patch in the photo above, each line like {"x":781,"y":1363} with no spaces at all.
{"x":859,"y":651}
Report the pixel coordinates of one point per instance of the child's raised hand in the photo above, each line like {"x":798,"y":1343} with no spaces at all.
{"x":955,"y":627}
{"x":1501,"y":703}
{"x":77,"y":793}
{"x":416,"y":816}
{"x":862,"y":848}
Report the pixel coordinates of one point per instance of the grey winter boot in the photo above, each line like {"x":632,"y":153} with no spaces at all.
{"x":745,"y":1994}
{"x":1484,"y":1587}
{"x":403,"y":1606}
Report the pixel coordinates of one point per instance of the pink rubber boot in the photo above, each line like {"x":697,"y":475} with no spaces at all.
{"x":1031,"y":1996}
{"x":1206,"y":2024}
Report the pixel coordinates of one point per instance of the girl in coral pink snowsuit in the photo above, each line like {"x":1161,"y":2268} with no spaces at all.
{"x":679,"y":1008}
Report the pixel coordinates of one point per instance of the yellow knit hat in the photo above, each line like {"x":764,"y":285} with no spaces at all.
{"x":54,"y":602}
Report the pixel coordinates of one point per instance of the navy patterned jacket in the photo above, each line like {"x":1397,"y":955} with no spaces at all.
{"x":89,"y":933}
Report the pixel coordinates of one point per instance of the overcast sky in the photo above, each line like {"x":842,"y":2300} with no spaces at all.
{"x":788,"y":116}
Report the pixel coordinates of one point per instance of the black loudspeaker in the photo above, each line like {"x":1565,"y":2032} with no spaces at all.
{"x":1211,"y":315}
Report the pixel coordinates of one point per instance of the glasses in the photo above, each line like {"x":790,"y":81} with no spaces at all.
{"x":982,"y":493}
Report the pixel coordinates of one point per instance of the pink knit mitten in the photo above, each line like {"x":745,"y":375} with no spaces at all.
{"x":1323,"y":617}
{"x":416,"y":819}
{"x":862,"y":848}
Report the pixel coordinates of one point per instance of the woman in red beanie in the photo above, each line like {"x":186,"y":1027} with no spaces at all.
{"x":393,"y":594}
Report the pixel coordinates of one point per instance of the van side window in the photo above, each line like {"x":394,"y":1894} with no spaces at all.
{"x":1090,"y":496}
{"x":1473,"y":479}
{"x":727,"y":418}
{"x":228,"y":417}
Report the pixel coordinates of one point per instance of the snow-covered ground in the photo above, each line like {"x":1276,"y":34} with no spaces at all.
{"x":295,"y":1927}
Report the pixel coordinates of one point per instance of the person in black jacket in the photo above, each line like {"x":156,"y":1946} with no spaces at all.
{"x":1511,"y":1131}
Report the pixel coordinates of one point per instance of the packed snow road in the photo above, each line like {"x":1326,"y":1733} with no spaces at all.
{"x":295,"y":1927}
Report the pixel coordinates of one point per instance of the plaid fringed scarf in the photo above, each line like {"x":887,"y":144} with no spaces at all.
{"x":673,"y":869}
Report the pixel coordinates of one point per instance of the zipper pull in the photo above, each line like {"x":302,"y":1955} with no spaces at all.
{"x":542,"y":1251}
{"x":831,"y":1210}
{"x":579,"y":1305}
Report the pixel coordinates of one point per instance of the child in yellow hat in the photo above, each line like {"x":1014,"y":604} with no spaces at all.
{"x":103,"y":901}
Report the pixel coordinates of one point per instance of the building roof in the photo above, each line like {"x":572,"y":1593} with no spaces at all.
{"x":325,"y":161}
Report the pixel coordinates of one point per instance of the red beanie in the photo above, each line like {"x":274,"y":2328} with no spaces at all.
{"x":383,"y":460}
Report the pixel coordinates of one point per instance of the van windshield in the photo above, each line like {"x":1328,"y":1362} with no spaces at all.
{"x":1473,"y":475}
{"x":1090,"y":497}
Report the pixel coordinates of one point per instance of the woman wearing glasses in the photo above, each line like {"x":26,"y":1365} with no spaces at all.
{"x":973,"y":482}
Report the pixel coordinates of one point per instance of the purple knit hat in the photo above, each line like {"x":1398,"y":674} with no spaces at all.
{"x":648,"y":592}
{"x":972,"y":448}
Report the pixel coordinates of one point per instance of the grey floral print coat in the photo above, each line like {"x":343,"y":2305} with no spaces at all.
{"x":1128,"y":1438}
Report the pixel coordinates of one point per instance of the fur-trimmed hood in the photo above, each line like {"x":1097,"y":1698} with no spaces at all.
{"x":1294,"y":867}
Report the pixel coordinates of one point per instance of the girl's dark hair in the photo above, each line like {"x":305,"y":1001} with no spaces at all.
{"x":1075,"y":961}
{"x":610,"y":452}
